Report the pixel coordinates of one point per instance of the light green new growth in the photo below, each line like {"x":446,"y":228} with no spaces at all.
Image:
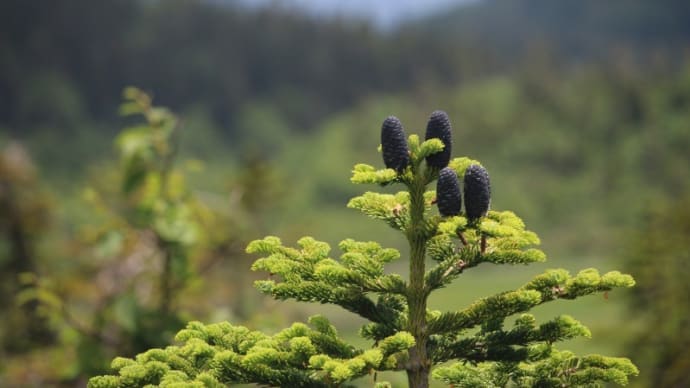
{"x":471,"y":343}
{"x":548,"y":368}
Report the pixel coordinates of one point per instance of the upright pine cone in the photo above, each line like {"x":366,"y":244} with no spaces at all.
{"x":448,"y":196}
{"x":439,"y":127}
{"x":477,"y":192}
{"x":394,"y":144}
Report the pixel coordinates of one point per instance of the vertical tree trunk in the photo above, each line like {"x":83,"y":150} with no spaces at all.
{"x":418,"y":378}
{"x":419,"y":364}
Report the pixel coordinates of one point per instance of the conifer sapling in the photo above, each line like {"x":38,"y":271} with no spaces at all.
{"x":468,"y":346}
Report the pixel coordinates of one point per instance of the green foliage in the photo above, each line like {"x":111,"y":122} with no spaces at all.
{"x":104,"y":275}
{"x":544,"y":288}
{"x":309,"y":275}
{"x":657,"y":254}
{"x":547,"y":368}
{"x":219,"y":354}
{"x":26,"y":211}
{"x":406,"y":335}
{"x":155,"y":191}
{"x":143,"y":243}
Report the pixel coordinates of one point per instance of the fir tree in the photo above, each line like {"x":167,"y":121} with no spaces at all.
{"x":469,"y":347}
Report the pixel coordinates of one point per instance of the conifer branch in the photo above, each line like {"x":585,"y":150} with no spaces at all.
{"x":485,"y":309}
{"x":552,"y":285}
{"x":309,"y":275}
{"x":557,"y":369}
{"x":365,"y":174}
{"x":219,"y":354}
{"x":512,"y":345}
{"x":393,"y":209}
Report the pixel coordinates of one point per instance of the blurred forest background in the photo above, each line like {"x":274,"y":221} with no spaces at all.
{"x":580,"y":110}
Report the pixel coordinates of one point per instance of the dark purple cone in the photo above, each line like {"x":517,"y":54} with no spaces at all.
{"x":439,"y":127}
{"x":448,"y":196}
{"x":477,"y":192}
{"x":394,"y":144}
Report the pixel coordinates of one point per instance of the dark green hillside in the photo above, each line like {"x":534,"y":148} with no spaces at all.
{"x":576,"y":30}
{"x":61,"y":62}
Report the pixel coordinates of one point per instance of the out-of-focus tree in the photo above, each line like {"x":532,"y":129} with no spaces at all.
{"x":146,"y":241}
{"x":25,"y":211}
{"x":658,"y":255}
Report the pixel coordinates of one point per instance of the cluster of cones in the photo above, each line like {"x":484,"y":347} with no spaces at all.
{"x":476,"y":187}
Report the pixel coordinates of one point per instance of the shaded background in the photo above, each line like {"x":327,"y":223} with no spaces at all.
{"x":580,"y":110}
